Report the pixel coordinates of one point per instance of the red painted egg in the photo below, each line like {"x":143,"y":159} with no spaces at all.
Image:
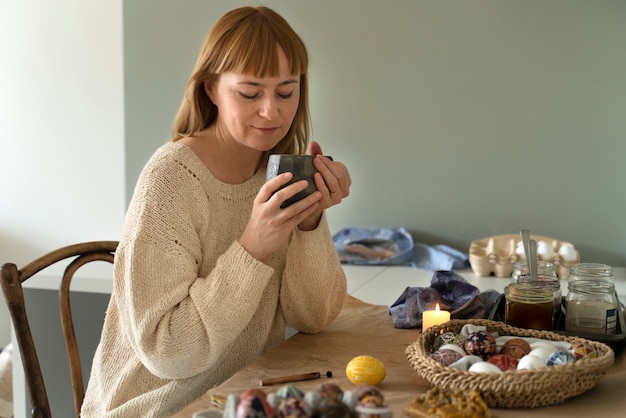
{"x":516,"y":348}
{"x":504,"y":362}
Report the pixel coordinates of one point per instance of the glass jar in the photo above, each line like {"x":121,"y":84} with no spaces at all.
{"x":543,"y":267}
{"x":529,"y":306}
{"x":591,"y":307}
{"x":551,"y":282}
{"x":591,"y":271}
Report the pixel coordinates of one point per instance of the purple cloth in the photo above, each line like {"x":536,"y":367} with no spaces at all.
{"x":451,"y":291}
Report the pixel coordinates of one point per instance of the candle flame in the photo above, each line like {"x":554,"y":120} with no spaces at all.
{"x":437,"y":308}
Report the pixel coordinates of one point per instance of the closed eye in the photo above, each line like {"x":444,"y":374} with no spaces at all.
{"x":249,"y":96}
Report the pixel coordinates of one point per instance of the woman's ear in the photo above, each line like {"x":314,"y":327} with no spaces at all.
{"x":208,"y":90}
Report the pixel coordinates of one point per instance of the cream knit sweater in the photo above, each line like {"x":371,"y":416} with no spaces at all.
{"x":190,"y":306}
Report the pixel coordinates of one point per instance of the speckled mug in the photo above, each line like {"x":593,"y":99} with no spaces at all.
{"x":302,"y":168}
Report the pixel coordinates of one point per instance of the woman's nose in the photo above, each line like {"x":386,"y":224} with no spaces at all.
{"x":268,"y":109}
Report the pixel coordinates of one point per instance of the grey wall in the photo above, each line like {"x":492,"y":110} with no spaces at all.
{"x":458,"y":119}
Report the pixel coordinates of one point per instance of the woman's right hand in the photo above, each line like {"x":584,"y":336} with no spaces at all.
{"x":270,"y":225}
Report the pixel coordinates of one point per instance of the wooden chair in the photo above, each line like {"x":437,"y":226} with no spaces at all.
{"x":12,"y":279}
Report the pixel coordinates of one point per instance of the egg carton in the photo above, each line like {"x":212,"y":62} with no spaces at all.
{"x":496,"y":255}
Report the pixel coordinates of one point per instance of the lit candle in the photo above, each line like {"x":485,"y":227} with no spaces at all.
{"x":436,"y":317}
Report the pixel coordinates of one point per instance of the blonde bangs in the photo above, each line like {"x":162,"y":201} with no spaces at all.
{"x":255,"y":52}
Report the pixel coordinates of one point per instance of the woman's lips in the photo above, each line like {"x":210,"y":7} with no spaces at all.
{"x":267,"y":131}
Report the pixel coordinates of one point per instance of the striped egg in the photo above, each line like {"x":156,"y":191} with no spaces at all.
{"x":365,"y":370}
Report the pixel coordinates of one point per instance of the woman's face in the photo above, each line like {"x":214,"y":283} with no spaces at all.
{"x":256,"y":112}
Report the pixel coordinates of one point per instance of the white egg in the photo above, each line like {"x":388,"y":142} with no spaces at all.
{"x":453,"y":347}
{"x":545,"y":250}
{"x":544,"y":344}
{"x":484,"y":367}
{"x":542,"y":352}
{"x":519,"y":250}
{"x":530,"y":362}
{"x":568,"y":252}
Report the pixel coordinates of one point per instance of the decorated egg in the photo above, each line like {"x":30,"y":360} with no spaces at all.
{"x":330,"y":390}
{"x":446,"y":356}
{"x":253,"y":404}
{"x":290,"y":391}
{"x":333,"y":408}
{"x":371,"y":401}
{"x":484,"y":367}
{"x":365,"y":369}
{"x":583,"y":350}
{"x":530,"y":362}
{"x":294,"y":408}
{"x":559,"y":358}
{"x":251,"y":393}
{"x":454,"y":347}
{"x":504,"y":362}
{"x":362,"y":391}
{"x":480,"y":344}
{"x":448,"y":338}
{"x":515,"y":347}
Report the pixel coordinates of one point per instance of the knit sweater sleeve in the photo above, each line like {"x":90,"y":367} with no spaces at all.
{"x":177,"y":323}
{"x":313,"y":287}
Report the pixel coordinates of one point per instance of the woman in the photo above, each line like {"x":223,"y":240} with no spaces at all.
{"x":210,"y":270}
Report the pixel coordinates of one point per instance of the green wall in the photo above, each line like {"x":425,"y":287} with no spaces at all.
{"x":458,"y":119}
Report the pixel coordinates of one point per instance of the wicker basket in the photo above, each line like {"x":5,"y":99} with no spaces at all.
{"x":529,"y":388}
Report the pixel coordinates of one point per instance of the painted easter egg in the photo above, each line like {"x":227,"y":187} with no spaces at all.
{"x":515,"y":347}
{"x":504,"y":362}
{"x":583,"y":350}
{"x":364,"y":390}
{"x":290,"y":391}
{"x":253,"y":404}
{"x":333,"y":408}
{"x":365,"y":369}
{"x":448,"y":338}
{"x":560,"y":357}
{"x":480,"y":344}
{"x":294,"y":408}
{"x":329,"y":390}
{"x":446,"y":356}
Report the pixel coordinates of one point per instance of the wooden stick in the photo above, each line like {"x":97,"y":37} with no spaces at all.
{"x":292,"y":378}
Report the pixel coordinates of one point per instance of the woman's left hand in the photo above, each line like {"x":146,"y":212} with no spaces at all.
{"x":332,"y":180}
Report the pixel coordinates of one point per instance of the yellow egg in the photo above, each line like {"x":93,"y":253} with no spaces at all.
{"x":365,"y":370}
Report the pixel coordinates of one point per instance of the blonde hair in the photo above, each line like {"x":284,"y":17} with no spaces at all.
{"x":246,"y":40}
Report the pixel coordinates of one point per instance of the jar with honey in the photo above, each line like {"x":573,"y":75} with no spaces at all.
{"x":529,"y":305}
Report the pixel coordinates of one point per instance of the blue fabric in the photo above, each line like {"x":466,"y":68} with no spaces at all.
{"x":451,"y":291}
{"x":388,"y":246}
{"x":374,"y":246}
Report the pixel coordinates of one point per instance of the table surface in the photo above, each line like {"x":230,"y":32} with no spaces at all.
{"x":364,"y":328}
